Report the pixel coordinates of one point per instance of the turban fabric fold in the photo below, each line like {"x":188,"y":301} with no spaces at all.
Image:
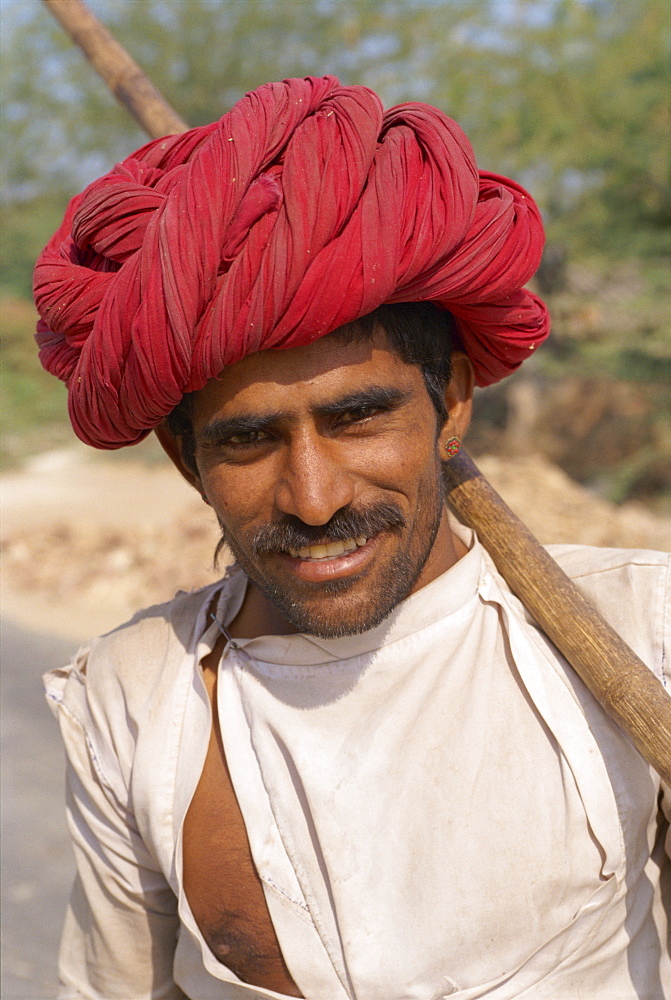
{"x":303,"y":208}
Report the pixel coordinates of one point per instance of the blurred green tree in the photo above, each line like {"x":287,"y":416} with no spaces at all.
{"x":569,"y":96}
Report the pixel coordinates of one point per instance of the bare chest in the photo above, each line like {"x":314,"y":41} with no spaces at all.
{"x":221,"y":883}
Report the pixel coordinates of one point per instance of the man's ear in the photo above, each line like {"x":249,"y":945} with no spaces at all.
{"x":172,"y":447}
{"x":458,"y":402}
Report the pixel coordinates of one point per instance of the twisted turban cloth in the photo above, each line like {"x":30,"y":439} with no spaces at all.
{"x":303,"y":208}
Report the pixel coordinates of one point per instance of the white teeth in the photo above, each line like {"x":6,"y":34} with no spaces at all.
{"x":329,"y":551}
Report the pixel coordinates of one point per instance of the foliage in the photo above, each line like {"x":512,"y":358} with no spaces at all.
{"x":569,"y":96}
{"x":30,"y":399}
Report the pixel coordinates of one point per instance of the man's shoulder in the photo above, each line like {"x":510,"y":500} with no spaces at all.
{"x":151,"y":648}
{"x":131,"y":681}
{"x":631,"y":588}
{"x":177,"y":620}
{"x":609,"y":577}
{"x":582,"y":561}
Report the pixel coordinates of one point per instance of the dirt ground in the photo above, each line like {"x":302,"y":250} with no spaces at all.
{"x":86,"y":540}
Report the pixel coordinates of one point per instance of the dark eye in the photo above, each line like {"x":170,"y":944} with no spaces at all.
{"x":246,"y":438}
{"x":358,"y":414}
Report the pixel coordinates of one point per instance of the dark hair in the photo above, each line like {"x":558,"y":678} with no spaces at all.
{"x":420,"y":333}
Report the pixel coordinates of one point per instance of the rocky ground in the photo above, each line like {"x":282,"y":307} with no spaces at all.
{"x":87,"y":540}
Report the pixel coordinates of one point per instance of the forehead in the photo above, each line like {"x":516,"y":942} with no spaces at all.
{"x":305,"y":376}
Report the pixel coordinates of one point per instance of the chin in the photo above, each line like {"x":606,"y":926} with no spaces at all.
{"x":335,"y":620}
{"x":343,"y":606}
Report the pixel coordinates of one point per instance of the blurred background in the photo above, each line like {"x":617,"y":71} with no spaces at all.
{"x":569,"y":97}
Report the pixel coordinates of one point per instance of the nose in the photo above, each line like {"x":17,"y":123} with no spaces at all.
{"x":314,"y":481}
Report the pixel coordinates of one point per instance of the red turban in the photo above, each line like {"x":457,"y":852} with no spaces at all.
{"x":303,"y":208}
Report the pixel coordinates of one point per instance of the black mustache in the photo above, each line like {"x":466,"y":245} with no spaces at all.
{"x":292,"y":533}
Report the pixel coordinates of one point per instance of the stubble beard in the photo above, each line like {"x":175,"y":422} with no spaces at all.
{"x":324,"y":611}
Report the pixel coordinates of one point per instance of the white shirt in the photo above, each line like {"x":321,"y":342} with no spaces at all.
{"x":436,"y":808}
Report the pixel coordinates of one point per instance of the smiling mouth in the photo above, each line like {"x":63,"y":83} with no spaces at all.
{"x":332,"y":550}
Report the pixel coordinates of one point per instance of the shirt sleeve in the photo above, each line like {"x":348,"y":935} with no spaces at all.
{"x":632,"y":590}
{"x":121,"y":924}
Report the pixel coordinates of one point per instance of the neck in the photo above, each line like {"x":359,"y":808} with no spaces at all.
{"x":258,"y":616}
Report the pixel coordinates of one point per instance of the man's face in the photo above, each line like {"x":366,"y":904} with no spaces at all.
{"x":322,"y":464}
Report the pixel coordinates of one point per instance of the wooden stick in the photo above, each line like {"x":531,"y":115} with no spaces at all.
{"x":628,"y":691}
{"x":129,"y":84}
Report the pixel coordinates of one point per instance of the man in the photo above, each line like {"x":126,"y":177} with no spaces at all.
{"x":353,"y":768}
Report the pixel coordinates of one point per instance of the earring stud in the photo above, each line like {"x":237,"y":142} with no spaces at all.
{"x":452,"y":446}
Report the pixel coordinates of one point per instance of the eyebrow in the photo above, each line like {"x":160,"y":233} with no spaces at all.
{"x":375,"y":396}
{"x":381,"y":396}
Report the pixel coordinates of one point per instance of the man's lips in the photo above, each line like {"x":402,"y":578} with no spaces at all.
{"x":325,"y":565}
